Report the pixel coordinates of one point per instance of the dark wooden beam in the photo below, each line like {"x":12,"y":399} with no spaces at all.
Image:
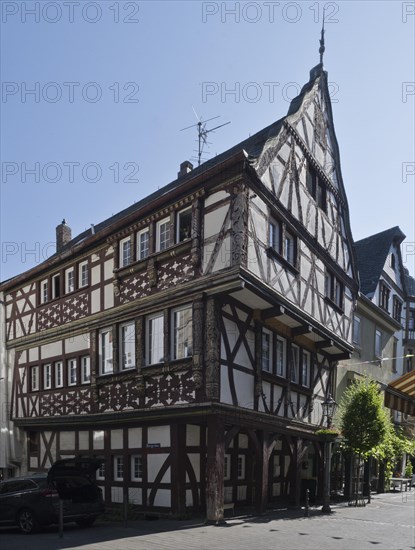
{"x":272,"y":312}
{"x":324,"y":344}
{"x":304,"y":329}
{"x":341,"y":356}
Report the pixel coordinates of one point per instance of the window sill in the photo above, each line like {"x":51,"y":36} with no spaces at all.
{"x":272,"y":253}
{"x":336,"y":307}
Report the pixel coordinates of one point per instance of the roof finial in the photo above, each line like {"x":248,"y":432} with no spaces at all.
{"x":322,"y":47}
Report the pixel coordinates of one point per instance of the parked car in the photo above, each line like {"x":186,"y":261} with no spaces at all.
{"x":33,"y":500}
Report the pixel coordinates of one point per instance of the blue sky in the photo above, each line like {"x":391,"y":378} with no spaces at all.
{"x":115,"y":82}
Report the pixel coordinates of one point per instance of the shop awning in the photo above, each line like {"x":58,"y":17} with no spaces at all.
{"x":400,"y":394}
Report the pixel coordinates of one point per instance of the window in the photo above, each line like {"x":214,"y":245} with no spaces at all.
{"x":155,"y":339}
{"x":69,"y":280}
{"x":72,"y":372}
{"x":163,"y":234}
{"x":47,"y":376}
{"x":182,"y":333}
{"x":85,"y":369}
{"x":34,"y":378}
{"x":184,"y":225}
{"x":56,"y":286}
{"x":118,"y":468}
{"x":356,"y":331}
{"x":143,"y":244}
{"x":384,"y":293}
{"x":411,"y":320}
{"x":105,"y":351}
{"x":317,"y":188}
{"x":58,"y":374}
{"x":283,"y":242}
{"x":378,"y":343}
{"x":33,"y":442}
{"x":334,"y":290}
{"x":295,"y":361}
{"x":44,"y":291}
{"x":281,"y":346}
{"x":83,"y":274}
{"x":127,"y":346}
{"x":136,"y":468}
{"x":125,"y":252}
{"x":266,"y":358}
{"x":305,"y":369}
{"x":397,"y":309}
{"x":101,"y":471}
{"x":241,"y":466}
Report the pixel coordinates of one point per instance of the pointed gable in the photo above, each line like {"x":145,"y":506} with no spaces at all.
{"x":372,"y":258}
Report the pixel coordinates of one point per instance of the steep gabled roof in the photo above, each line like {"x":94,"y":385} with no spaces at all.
{"x":371,"y":255}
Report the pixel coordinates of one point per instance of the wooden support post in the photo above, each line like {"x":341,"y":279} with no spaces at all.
{"x":262,"y":475}
{"x":178,"y":443}
{"x":215,"y":471}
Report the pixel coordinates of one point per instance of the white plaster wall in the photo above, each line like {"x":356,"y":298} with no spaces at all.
{"x":243,"y":441}
{"x":154,"y":463}
{"x":95,"y":275}
{"x":108,"y":269}
{"x":192,"y":435}
{"x":67,"y":441}
{"x":84,"y":440}
{"x":77,"y":343}
{"x":135,"y":495}
{"x":163,"y":498}
{"x":95,"y":300}
{"x":135,"y":438}
{"x":108,"y":296}
{"x":159,"y":434}
{"x":225,"y":392}
{"x":117,"y":439}
{"x":51,"y":350}
{"x":195,"y":462}
{"x":34,"y":354}
{"x":213,"y":221}
{"x":244,"y":387}
{"x":215,"y":197}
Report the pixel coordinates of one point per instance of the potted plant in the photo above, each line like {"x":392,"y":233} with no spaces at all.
{"x":327,"y":434}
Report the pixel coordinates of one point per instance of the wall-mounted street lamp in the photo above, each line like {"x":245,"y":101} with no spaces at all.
{"x":329,"y":407}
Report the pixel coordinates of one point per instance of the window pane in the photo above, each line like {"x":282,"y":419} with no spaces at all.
{"x":182,"y":333}
{"x":143,"y":244}
{"x":86,"y":369}
{"x":280,"y":357}
{"x":164,"y":235}
{"x":127,"y":338}
{"x":266,"y":350}
{"x":155,"y":341}
{"x":294,"y":364}
{"x":184,"y":225}
{"x":105,"y":356}
{"x":305,"y":374}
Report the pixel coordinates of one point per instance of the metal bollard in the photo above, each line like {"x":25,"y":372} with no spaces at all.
{"x":307,"y":503}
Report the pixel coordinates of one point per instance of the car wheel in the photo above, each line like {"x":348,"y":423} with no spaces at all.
{"x":26,"y":521}
{"x":86,"y":522}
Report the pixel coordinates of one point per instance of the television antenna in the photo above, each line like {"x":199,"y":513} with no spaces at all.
{"x":202,"y":133}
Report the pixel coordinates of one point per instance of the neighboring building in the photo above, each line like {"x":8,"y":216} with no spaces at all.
{"x":381,"y":335}
{"x":190,"y":339}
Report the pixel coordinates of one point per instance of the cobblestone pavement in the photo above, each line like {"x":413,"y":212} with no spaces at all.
{"x":387,"y":523}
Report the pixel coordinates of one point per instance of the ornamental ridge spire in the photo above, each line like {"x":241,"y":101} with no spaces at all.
{"x":322,"y":46}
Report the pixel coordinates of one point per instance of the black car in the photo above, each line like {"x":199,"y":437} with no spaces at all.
{"x":33,"y":500}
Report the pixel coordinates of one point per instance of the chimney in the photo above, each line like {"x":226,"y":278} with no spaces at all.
{"x":185,"y":168}
{"x":63,"y":235}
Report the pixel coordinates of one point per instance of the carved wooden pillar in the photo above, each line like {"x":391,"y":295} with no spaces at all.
{"x":212,"y":350}
{"x":215,"y":470}
{"x":262,"y":476}
{"x":198,"y":307}
{"x":94,"y":369}
{"x":299,"y":449}
{"x":115,"y":349}
{"x":258,"y":365}
{"x":178,"y":472}
{"x":239,"y":233}
{"x":116,"y":254}
{"x":166,"y":320}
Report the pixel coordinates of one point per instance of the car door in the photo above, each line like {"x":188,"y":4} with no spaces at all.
{"x":12,"y":495}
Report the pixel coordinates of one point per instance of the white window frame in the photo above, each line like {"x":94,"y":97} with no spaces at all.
{"x":290,"y":248}
{"x":143,"y":252}
{"x":69,"y":280}
{"x":165,"y":243}
{"x":241,"y":470}
{"x":47,"y":376}
{"x":118,"y":465}
{"x":150,"y":351}
{"x":180,"y":351}
{"x":295,"y":364}
{"x":283,"y":341}
{"x":85,"y":369}
{"x":138,"y":477}
{"x":54,"y":277}
{"x":357,"y":330}
{"x":275,"y":235}
{"x":306,"y":369}
{"x":129,"y":348}
{"x":125,"y":252}
{"x":101,"y":472}
{"x":34,"y":378}
{"x":378,"y":343}
{"x":179,"y":238}
{"x":83,"y":274}
{"x":72,"y":372}
{"x":266,"y":360}
{"x":106,"y":360}
{"x":58,"y":374}
{"x":44,"y":291}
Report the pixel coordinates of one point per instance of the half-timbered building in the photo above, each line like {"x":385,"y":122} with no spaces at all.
{"x":190,"y":339}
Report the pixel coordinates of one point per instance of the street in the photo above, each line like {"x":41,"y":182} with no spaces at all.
{"x":387,"y":523}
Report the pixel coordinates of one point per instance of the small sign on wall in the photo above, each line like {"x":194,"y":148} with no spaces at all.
{"x":153,"y":445}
